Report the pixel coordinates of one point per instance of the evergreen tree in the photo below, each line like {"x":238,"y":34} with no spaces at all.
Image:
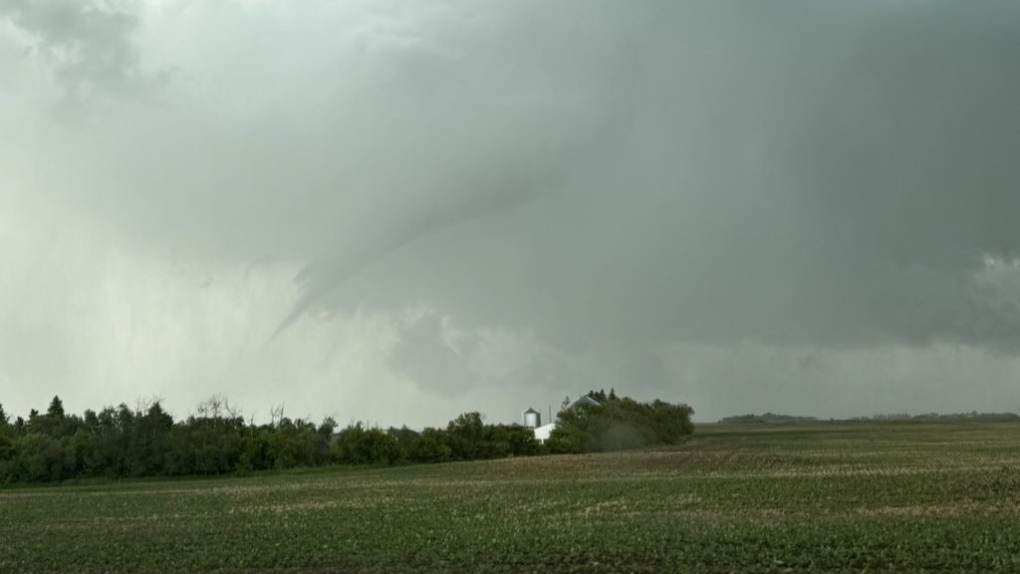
{"x":56,"y":409}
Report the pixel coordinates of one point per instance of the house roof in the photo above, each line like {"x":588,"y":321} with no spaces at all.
{"x":582,"y":400}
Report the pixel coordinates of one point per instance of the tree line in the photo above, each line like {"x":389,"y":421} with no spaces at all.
{"x":121,"y":442}
{"x":770,"y":418}
{"x":619,"y":423}
{"x":766,"y":418}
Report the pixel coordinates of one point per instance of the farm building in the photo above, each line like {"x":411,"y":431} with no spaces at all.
{"x":581,"y":400}
{"x":542,"y":432}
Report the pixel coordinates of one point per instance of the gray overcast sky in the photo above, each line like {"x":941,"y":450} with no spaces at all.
{"x":398,"y":211}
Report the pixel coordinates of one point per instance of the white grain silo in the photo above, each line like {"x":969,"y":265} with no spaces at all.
{"x":531,"y":418}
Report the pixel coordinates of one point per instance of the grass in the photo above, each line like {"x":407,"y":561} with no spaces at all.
{"x":850,"y":498}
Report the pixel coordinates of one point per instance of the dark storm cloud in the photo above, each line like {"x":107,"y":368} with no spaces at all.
{"x":834,"y":176}
{"x":609,"y":178}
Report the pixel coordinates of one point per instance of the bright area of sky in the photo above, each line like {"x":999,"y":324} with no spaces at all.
{"x":803,"y":207}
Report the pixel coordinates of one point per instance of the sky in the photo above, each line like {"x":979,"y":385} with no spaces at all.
{"x":398,"y":211}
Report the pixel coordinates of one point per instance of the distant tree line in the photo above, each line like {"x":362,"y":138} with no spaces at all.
{"x":119,"y":442}
{"x":973,"y":415}
{"x":619,"y":423}
{"x":777,"y":418}
{"x":765,"y":418}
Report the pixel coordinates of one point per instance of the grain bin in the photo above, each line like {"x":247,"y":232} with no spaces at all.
{"x":531,"y":418}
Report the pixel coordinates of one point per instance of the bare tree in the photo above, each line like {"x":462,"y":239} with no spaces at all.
{"x":212,"y":407}
{"x":275,"y":415}
{"x":234,"y":411}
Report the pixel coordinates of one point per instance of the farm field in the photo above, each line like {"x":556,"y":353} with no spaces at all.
{"x":863,"y":497}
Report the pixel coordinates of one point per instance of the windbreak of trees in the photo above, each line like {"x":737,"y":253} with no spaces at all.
{"x":466,"y":437}
{"x":143,"y":442}
{"x":619,"y":423}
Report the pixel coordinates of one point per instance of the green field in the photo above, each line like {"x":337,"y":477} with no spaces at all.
{"x":850,"y":497}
